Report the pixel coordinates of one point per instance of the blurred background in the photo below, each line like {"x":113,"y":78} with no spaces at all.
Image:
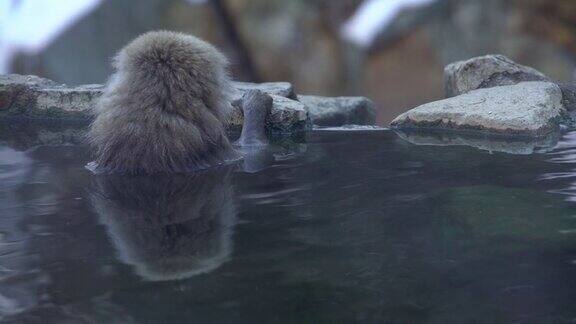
{"x":392,"y":51}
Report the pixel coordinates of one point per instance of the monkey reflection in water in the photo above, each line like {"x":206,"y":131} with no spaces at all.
{"x":174,"y":226}
{"x":168,"y":227}
{"x":162,"y":153}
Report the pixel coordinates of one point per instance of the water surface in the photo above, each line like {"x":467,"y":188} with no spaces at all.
{"x":348,"y":227}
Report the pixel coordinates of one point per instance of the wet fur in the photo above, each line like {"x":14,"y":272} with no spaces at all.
{"x":165,"y":108}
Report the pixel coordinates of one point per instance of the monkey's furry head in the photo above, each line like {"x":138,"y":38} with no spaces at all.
{"x":165,"y":108}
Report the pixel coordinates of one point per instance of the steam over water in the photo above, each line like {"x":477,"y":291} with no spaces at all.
{"x":348,"y":226}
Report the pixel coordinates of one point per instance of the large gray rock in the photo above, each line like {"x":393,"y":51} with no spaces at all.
{"x":31,"y":97}
{"x":26,"y":96}
{"x":528,"y":108}
{"x":339,"y":111}
{"x":486,"y":72}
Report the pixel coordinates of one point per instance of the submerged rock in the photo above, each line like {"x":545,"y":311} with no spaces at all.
{"x":510,"y":145}
{"x":527,"y":109}
{"x":339,"y":111}
{"x":27,"y":135}
{"x":486,"y":72}
{"x":31,"y":97}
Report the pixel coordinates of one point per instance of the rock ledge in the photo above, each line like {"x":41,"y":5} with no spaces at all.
{"x":34,"y":98}
{"x":527,"y":109}
{"x":30,"y":97}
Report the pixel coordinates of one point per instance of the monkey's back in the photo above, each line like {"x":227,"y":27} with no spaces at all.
{"x":165,"y":108}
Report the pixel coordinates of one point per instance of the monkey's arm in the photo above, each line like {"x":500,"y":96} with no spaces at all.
{"x":256,"y":106}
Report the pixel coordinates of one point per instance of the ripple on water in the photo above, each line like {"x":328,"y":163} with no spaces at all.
{"x":358,"y":227}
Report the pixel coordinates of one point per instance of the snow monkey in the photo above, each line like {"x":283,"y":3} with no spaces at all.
{"x":165,"y":108}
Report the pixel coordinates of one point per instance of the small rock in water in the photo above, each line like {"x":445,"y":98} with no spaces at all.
{"x":339,"y":111}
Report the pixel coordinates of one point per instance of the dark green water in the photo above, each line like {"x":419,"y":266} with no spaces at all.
{"x":350,"y":227}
